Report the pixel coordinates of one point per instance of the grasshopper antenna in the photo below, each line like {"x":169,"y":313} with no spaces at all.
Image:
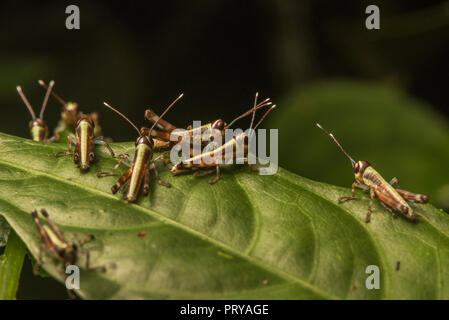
{"x":27,"y":103}
{"x":123,"y":116}
{"x":338,"y":143}
{"x":47,"y":95}
{"x":254,"y":110}
{"x":262,"y":104}
{"x":264,"y":116}
{"x":61,"y":101}
{"x":166,"y":110}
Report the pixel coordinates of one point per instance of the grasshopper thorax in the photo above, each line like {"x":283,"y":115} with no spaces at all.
{"x":144,"y":139}
{"x":69,"y":254}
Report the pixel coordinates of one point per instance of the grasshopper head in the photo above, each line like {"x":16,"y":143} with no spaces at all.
{"x":70,"y":113}
{"x":359,"y":168}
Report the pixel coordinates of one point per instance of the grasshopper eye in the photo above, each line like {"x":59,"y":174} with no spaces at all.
{"x":76,"y":158}
{"x":91,"y":156}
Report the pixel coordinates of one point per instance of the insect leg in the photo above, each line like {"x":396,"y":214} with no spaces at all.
{"x":66,"y":153}
{"x":414,"y":197}
{"x":368,"y":214}
{"x":161,"y":145}
{"x":162,"y":124}
{"x":99,"y":140}
{"x":88,"y":267}
{"x":89,"y":238}
{"x":388,"y":208}
{"x":162,"y":158}
{"x":201,"y":172}
{"x":217,"y":177}
{"x":122,"y":180}
{"x":352,"y":197}
{"x":43,"y":234}
{"x":40,"y":259}
{"x":409,"y":196}
{"x":53,"y":225}
{"x":395,"y":181}
{"x":146,"y":184}
{"x":156,"y":175}
{"x":121,"y":159}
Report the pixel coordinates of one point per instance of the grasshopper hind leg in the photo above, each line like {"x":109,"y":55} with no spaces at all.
{"x":156,"y":175}
{"x":125,"y":177}
{"x":217,"y":176}
{"x":100,"y":140}
{"x":69,"y":151}
{"x":388,"y":208}
{"x":370,"y":206}
{"x":122,"y":158}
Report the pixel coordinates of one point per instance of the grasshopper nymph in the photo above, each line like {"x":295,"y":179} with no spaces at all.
{"x":38,"y":127}
{"x":202,"y":163}
{"x":166,"y":128}
{"x":70,"y":116}
{"x":84,"y":143}
{"x":393,"y":199}
{"x":143,"y":161}
{"x":59,"y":248}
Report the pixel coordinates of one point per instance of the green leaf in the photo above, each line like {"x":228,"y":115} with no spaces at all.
{"x":247,"y":236}
{"x":399,"y":135}
{"x":4,"y":231}
{"x":11,"y":267}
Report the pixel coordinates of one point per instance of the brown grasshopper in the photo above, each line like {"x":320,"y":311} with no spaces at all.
{"x":166,"y":128}
{"x":143,"y":160}
{"x":38,"y":127}
{"x":85,"y":143}
{"x":70,"y":116}
{"x":203,"y":162}
{"x":392,"y":199}
{"x":59,"y":248}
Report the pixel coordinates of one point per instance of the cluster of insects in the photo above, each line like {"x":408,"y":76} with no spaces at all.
{"x":159,"y":137}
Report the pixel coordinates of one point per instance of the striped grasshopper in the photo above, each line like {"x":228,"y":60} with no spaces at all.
{"x":84,"y":142}
{"x":202,"y":162}
{"x":166,"y":128}
{"x":392,"y":199}
{"x":70,"y":116}
{"x":38,"y":127}
{"x":143,"y":160}
{"x":59,"y":248}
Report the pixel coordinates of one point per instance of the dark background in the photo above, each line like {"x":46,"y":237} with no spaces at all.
{"x":137,"y":54}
